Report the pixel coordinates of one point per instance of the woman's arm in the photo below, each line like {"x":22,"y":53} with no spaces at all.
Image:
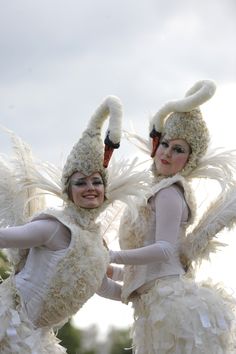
{"x":110,"y":289}
{"x":35,"y":233}
{"x":157,"y":252}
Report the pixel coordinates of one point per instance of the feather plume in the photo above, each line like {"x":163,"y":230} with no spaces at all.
{"x":218,"y":165}
{"x":110,"y":221}
{"x":143,"y":144}
{"x":127,"y":183}
{"x":12,"y":199}
{"x":221,"y":214}
{"x":34,"y":177}
{"x":45,"y":178}
{"x":20,"y":195}
{"x":22,"y":165}
{"x":14,"y":207}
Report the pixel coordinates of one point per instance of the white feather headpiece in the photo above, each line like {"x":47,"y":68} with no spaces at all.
{"x":182,"y":119}
{"x":87,"y":154}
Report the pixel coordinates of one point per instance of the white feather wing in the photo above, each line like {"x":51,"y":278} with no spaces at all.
{"x":221,"y":214}
{"x":14,"y":209}
{"x":128,"y":184}
{"x":12,"y":198}
{"x":19,"y":198}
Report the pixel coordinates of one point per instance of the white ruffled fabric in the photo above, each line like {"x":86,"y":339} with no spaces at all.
{"x":17,"y":333}
{"x":177,"y":316}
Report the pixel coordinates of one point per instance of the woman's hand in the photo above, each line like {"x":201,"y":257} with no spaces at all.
{"x":109,"y":271}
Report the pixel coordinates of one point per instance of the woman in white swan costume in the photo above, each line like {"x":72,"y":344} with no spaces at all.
{"x":173,"y":314}
{"x":58,"y":254}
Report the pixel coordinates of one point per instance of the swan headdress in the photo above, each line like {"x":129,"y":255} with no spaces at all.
{"x":182,"y":119}
{"x":88,"y":154}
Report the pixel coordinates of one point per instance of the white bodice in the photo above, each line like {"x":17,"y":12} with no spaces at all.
{"x":34,"y":279}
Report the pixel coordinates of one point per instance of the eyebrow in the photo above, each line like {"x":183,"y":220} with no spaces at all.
{"x":84,"y":179}
{"x":179,"y":145}
{"x":169,"y":141}
{"x":186,"y":149}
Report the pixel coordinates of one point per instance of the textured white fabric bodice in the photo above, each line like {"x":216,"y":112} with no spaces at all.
{"x":34,"y":279}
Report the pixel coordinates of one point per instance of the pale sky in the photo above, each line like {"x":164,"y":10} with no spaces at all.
{"x":60,"y":58}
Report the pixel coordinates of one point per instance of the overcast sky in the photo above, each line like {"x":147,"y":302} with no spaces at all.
{"x":60,"y":58}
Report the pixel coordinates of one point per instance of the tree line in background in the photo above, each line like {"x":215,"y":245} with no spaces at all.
{"x":77,"y":341}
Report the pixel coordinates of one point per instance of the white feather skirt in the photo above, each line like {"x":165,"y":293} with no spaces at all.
{"x":17,"y":333}
{"x":177,"y":316}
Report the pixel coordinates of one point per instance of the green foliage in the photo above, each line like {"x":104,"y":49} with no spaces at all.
{"x":120,"y":341}
{"x":77,"y":341}
{"x":4,"y":266}
{"x":70,"y":338}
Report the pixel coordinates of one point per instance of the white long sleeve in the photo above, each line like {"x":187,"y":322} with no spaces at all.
{"x":51,"y":233}
{"x":110,"y":289}
{"x":160,"y":251}
{"x":170,"y":209}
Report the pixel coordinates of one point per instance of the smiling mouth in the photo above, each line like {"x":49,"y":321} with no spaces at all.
{"x":90,"y":196}
{"x":164,"y":162}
